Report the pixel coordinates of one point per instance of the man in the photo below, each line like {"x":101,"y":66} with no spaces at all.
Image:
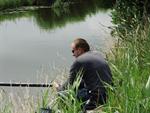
{"x":96,"y":74}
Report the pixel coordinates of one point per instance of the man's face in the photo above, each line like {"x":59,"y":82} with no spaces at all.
{"x":76,"y":51}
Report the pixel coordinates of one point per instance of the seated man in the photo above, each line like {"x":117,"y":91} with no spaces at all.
{"x":96,"y":73}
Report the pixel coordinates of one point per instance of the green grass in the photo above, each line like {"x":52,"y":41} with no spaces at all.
{"x":130,"y":61}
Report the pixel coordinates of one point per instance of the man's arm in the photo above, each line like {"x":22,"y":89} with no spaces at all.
{"x":74,"y":70}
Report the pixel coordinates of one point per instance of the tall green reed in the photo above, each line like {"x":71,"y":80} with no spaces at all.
{"x":66,"y":101}
{"x":60,"y":102}
{"x":130,"y":66}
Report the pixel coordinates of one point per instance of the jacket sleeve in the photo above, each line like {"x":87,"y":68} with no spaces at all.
{"x":75,"y":68}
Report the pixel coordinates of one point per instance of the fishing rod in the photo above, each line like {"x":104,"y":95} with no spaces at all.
{"x":24,"y":85}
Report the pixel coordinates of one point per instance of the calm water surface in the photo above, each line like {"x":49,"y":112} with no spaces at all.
{"x":33,"y":44}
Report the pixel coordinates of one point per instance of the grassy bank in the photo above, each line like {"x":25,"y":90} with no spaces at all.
{"x":130,"y":63}
{"x":8,"y":5}
{"x":130,"y":59}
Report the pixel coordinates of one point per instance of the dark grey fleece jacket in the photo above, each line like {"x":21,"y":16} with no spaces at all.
{"x":95,"y":71}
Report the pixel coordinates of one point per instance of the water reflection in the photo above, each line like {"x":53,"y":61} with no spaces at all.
{"x":38,"y":42}
{"x":51,"y":18}
{"x":48,"y":18}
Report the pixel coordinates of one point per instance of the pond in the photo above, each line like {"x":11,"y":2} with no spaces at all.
{"x":35,"y":44}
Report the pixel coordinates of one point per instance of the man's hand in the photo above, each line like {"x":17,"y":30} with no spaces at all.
{"x":56,"y":85}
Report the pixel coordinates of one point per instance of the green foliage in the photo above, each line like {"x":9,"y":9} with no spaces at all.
{"x":61,"y":4}
{"x":45,"y":99}
{"x":128,"y":14}
{"x":130,"y":66}
{"x":66,"y":101}
{"x":9,"y":4}
{"x":130,"y":62}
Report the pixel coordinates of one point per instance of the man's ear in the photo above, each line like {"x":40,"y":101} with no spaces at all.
{"x":81,"y":49}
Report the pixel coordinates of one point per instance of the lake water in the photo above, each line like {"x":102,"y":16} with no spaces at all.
{"x":35,"y":44}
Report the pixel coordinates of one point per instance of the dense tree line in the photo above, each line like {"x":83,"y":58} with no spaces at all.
{"x":129,"y":13}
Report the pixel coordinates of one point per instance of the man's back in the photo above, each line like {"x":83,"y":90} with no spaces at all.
{"x":96,"y":70}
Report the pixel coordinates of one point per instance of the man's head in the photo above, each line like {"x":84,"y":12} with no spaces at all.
{"x":79,"y":46}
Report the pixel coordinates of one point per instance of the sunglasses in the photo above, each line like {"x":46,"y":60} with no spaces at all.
{"x":72,"y":51}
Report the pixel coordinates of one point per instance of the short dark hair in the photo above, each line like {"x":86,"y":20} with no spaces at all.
{"x":81,"y":43}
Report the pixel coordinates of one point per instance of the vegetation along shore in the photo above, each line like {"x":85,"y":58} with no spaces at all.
{"x":129,"y":60}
